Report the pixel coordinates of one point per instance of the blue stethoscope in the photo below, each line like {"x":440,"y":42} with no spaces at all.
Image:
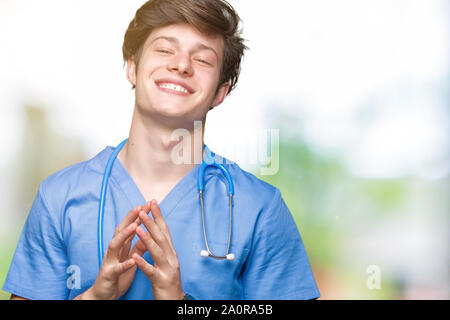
{"x":210,"y":161}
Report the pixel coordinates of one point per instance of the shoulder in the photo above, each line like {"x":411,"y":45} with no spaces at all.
{"x":57,"y":187}
{"x":255,"y":189}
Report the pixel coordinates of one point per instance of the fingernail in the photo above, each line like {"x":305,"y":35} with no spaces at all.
{"x":136,"y":256}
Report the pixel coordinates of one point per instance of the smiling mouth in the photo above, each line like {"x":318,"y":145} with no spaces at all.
{"x":173,"y":87}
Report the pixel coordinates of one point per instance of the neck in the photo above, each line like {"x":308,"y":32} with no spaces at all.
{"x":151,"y":155}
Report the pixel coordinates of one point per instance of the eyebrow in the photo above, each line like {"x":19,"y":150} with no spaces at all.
{"x":199,"y":46}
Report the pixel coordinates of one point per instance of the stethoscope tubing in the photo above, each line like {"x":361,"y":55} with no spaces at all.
{"x":101,"y":206}
{"x":205,"y":164}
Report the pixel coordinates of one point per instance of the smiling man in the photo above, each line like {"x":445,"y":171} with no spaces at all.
{"x":183,"y":58}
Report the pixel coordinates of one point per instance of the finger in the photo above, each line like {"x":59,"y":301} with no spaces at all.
{"x":146,"y":207}
{"x":149,"y":270}
{"x":125,"y":249}
{"x":117,"y":242}
{"x":129,"y":218}
{"x":124,"y":266}
{"x":157,"y":253}
{"x":156,"y":234}
{"x":161,"y":223}
{"x":139,"y":248}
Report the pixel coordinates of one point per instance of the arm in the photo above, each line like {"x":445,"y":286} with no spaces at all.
{"x":38,"y":269}
{"x":14,"y":297}
{"x":278,"y":266}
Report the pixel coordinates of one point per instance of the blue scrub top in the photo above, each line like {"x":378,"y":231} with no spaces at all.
{"x":57,"y":256}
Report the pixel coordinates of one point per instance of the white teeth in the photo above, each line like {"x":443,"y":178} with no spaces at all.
{"x":174,"y":87}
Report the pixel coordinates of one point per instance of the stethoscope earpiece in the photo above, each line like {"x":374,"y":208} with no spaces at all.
{"x":230,"y":256}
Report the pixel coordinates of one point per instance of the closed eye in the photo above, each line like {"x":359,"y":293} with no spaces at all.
{"x":203,"y":61}
{"x":163,"y":51}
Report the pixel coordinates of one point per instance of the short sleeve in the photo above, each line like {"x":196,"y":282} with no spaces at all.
{"x":278,"y":266}
{"x":38,"y":268}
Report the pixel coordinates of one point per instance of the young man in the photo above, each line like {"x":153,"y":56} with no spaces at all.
{"x":183,"y":58}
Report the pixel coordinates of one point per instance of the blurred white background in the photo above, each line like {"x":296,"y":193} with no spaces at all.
{"x":322,"y":61}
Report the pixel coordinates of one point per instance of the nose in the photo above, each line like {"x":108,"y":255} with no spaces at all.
{"x":181,"y":63}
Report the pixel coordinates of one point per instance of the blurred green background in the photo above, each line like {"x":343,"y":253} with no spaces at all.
{"x":359,"y":92}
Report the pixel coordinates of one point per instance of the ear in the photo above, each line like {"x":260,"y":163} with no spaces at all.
{"x":220,"y":95}
{"x":131,"y":71}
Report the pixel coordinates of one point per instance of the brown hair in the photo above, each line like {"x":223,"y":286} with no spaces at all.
{"x":212,"y":17}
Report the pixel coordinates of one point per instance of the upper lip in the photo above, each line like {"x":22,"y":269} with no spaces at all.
{"x":175,"y":81}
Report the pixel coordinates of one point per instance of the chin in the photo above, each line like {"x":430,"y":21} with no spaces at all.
{"x":172,"y":110}
{"x":173,"y":116}
{"x":166,"y":110}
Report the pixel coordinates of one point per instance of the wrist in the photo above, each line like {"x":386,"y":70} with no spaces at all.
{"x":91,"y":293}
{"x":87,"y":295}
{"x":187,"y":296}
{"x":168,"y":295}
{"x":182,"y":296}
